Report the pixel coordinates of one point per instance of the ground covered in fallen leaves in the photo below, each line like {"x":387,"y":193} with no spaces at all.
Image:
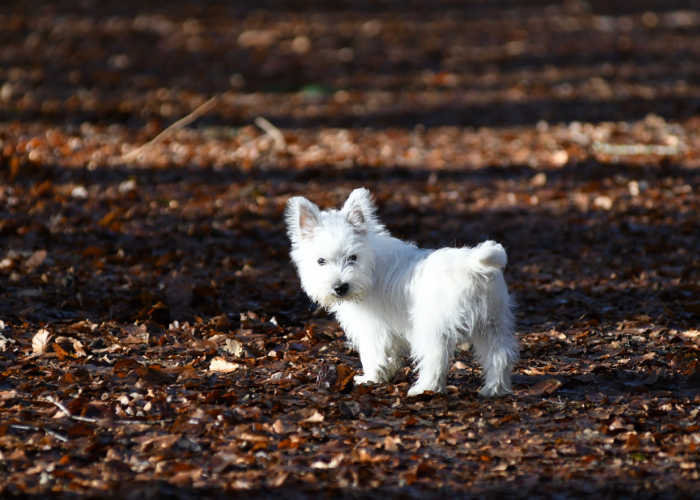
{"x":154,"y":340}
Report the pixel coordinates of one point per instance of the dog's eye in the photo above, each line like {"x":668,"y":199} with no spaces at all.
{"x":352,"y":259}
{"x":321,"y":261}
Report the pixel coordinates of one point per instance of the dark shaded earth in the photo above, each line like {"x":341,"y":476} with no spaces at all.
{"x":154,"y":341}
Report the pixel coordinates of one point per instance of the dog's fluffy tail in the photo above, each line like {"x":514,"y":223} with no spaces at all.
{"x":490,"y":254}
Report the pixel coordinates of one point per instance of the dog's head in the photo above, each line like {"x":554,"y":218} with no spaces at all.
{"x":332,"y":249}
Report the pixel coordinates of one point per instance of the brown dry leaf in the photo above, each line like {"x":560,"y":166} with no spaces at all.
{"x":332,"y":464}
{"x":632,"y":441}
{"x":619,"y":425}
{"x":422,"y":469}
{"x":291,"y":443}
{"x":279,"y":427}
{"x":109,"y":217}
{"x":247,"y":436}
{"x":5,"y":395}
{"x":125,"y":366}
{"x":692,"y":334}
{"x":220,"y":365}
{"x":647,"y":357}
{"x":188,"y":372}
{"x":93,"y":251}
{"x":547,"y":386}
{"x":345,"y":376}
{"x":539,"y":179}
{"x":36,"y":259}
{"x":78,"y":347}
{"x":234,"y":348}
{"x":225,"y":458}
{"x":149,"y":442}
{"x":500,"y":467}
{"x":603,"y":202}
{"x":83,"y":326}
{"x":534,"y":370}
{"x":71,"y":343}
{"x":40,"y":342}
{"x":4,"y":342}
{"x":362,"y":455}
{"x":136,"y":334}
{"x":314,"y":418}
{"x":187,"y":476}
{"x":277,"y":479}
{"x":391,"y":443}
{"x":61,"y":353}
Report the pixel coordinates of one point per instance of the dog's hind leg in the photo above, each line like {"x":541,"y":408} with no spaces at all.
{"x":497,"y":352}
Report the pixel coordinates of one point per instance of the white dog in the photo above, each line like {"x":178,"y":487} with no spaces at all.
{"x":394,"y":299}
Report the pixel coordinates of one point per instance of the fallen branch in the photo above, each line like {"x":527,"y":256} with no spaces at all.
{"x":200,"y":110}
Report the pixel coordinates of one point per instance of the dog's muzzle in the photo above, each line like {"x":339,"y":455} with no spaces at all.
{"x":341,"y":290}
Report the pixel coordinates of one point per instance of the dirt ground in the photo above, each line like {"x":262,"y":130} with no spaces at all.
{"x":154,"y":339}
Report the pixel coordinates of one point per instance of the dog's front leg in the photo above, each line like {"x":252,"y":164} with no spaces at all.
{"x":372,"y":340}
{"x":374,"y":360}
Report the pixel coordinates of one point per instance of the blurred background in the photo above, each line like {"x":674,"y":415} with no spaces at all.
{"x":533,"y":122}
{"x":350,"y":64}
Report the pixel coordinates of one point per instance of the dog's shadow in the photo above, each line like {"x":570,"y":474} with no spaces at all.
{"x":606,"y":386}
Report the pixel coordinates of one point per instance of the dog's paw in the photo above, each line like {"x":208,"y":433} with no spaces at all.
{"x":363,"y":379}
{"x":494,"y":391}
{"x":417,"y":390}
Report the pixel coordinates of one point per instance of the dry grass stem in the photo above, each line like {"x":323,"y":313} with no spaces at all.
{"x":199,"y":111}
{"x":636,"y":149}
{"x":272,"y":131}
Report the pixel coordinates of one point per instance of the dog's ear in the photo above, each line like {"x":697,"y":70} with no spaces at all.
{"x":359,"y":210}
{"x":302,"y":218}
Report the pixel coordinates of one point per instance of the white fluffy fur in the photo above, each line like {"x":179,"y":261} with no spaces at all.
{"x":402,"y":300}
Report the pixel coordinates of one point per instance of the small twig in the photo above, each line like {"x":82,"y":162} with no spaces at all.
{"x":50,"y":432}
{"x":200,"y":110}
{"x":272,"y":131}
{"x":636,"y":149}
{"x":57,"y":435}
{"x":143,"y":422}
{"x":103,"y":421}
{"x":24,"y":427}
{"x":68,"y":413}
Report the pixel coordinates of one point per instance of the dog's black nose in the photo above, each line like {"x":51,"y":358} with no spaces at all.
{"x":341,"y":290}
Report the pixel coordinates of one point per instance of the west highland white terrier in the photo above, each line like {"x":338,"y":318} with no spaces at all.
{"x":395,"y":300}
